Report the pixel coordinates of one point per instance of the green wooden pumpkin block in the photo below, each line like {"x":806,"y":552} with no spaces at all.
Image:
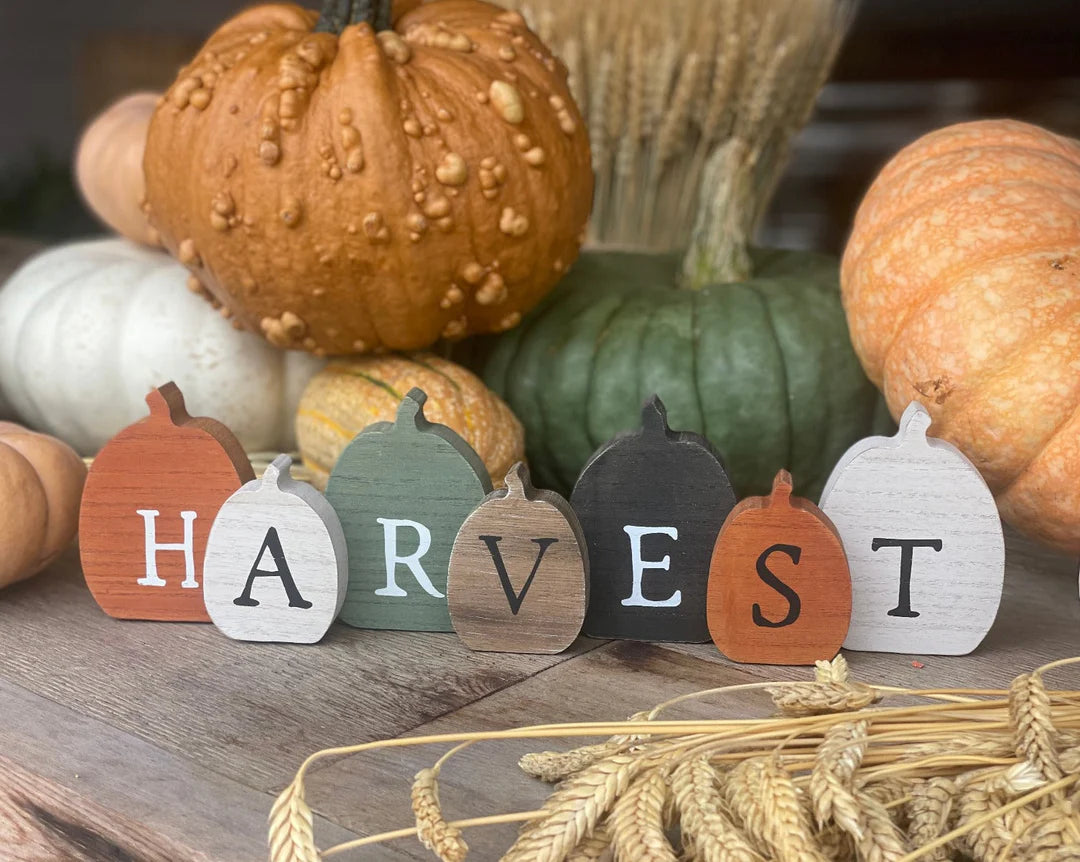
{"x":402,"y":491}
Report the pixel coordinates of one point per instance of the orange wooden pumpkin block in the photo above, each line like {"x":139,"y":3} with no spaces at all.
{"x":779,"y":585}
{"x":150,"y":499}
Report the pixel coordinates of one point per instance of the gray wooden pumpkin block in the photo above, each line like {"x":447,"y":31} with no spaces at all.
{"x":276,"y":566}
{"x":923,"y":539}
{"x":402,"y":491}
{"x":518,"y":578}
{"x":651,"y":504}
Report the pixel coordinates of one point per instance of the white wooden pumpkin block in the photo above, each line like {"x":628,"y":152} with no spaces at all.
{"x":923,"y":539}
{"x":276,"y":566}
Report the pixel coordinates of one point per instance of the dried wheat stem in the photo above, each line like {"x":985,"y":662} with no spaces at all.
{"x":929,"y":811}
{"x":574,"y":810}
{"x":434,"y":832}
{"x":708,"y":834}
{"x":637,"y":821}
{"x":832,"y":779}
{"x":292,"y":832}
{"x":1033,"y":726}
{"x":594,"y":847}
{"x":763,"y":796}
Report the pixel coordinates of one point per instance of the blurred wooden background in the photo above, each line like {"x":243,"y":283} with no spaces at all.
{"x":908,"y":66}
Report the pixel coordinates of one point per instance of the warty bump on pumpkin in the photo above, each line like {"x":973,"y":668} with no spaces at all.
{"x":342,"y":186}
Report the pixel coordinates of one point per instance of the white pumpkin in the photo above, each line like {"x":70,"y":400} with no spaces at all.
{"x":87,"y":329}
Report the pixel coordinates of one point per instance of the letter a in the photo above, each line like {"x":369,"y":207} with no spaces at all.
{"x":152,"y":578}
{"x":273,"y":544}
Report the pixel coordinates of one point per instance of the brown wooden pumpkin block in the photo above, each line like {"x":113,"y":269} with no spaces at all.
{"x":779,"y":586}
{"x":149,"y":502}
{"x":518,"y":577}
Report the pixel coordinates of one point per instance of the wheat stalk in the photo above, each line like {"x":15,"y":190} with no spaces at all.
{"x":1029,"y":708}
{"x":442,"y":839}
{"x":574,"y":810}
{"x":637,"y":821}
{"x":292,"y":833}
{"x":708,"y":834}
{"x":963,"y":772}
{"x":666,"y":85}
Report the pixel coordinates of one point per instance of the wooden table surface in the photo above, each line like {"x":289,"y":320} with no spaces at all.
{"x":158,"y":741}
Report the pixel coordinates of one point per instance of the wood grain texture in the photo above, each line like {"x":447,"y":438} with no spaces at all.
{"x":651,"y":503}
{"x":276,"y":566}
{"x":519,"y":578}
{"x":402,"y":491}
{"x":779,"y":588}
{"x":180,"y":729}
{"x":163,"y":791}
{"x":40,"y":821}
{"x":158,"y":482}
{"x":249,"y":711}
{"x":923,"y":539}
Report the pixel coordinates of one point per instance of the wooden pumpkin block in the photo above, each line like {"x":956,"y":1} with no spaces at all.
{"x":779,"y":588}
{"x":276,"y":564}
{"x":402,"y":491}
{"x":518,"y":579}
{"x":924,"y":539}
{"x":150,"y":499}
{"x":651,"y":503}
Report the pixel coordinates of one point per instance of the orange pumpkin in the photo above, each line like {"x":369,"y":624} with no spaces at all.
{"x":345,"y":187}
{"x":961,"y":283}
{"x":350,"y":394}
{"x":41,"y":482}
{"x":108,"y":166}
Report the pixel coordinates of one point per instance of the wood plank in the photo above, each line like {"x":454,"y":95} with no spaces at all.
{"x":40,"y":820}
{"x":71,"y":783}
{"x":611,"y":682}
{"x":248,"y":711}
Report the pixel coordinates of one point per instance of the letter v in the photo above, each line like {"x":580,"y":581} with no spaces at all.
{"x":515,"y":599}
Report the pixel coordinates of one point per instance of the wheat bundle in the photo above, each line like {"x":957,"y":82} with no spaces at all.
{"x":692,"y":106}
{"x":838,"y":774}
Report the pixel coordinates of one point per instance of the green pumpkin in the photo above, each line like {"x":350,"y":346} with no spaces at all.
{"x":763,"y":367}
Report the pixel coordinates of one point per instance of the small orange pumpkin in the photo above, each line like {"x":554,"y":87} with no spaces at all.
{"x":41,"y":482}
{"x":108,"y":166}
{"x":961,"y":283}
{"x":343,"y":186}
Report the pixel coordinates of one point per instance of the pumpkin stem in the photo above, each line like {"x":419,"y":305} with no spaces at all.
{"x":914,"y":423}
{"x":410,"y":415}
{"x":333,"y":16}
{"x":380,"y":17}
{"x":167,"y":402}
{"x":518,"y":482}
{"x":654,"y":417}
{"x":782,"y":487}
{"x":728,"y":213}
{"x":277,"y":470}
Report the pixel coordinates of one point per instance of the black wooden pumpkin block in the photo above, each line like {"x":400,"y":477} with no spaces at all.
{"x":651,"y":504}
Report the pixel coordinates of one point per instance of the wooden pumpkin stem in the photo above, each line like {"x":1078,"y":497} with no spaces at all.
{"x":277,"y":470}
{"x":518,"y":482}
{"x":915,"y":423}
{"x":654,"y":417}
{"x":167,"y":403}
{"x":410,"y":415}
{"x":782,"y":487}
